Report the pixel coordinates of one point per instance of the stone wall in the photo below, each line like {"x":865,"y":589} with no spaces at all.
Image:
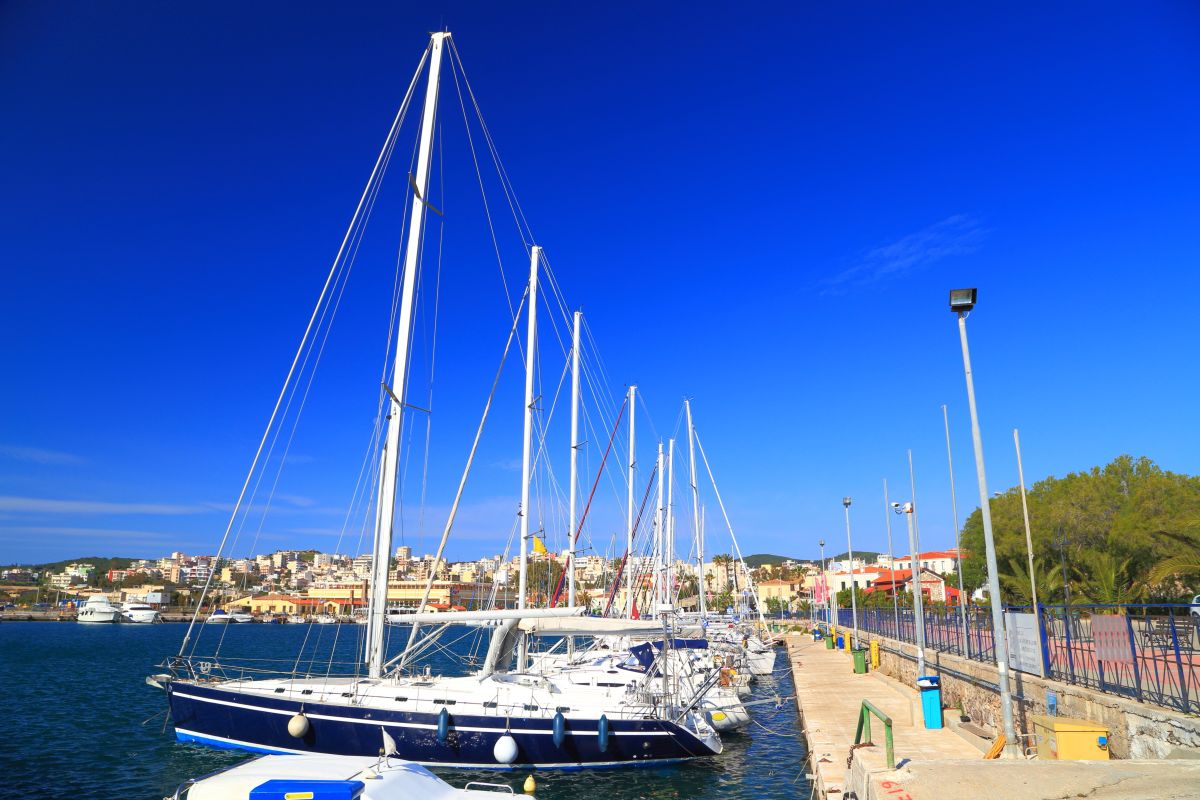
{"x":1136,"y":730}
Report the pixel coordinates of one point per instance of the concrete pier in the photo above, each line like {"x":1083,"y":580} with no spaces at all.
{"x":941,"y":763}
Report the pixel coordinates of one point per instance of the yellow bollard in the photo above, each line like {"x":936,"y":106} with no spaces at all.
{"x":874,"y":655}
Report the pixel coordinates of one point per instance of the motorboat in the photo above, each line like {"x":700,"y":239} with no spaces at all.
{"x":223,"y":617}
{"x":141,"y":613}
{"x":330,"y":777}
{"x":99,"y":609}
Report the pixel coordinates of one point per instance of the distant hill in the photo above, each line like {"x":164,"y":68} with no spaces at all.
{"x":868,"y":556}
{"x":102,"y":563}
{"x":759,"y":559}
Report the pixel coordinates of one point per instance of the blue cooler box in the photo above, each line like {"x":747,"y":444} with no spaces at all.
{"x":307,"y":790}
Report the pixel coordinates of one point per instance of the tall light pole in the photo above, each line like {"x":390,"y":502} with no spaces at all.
{"x":850,"y":557}
{"x":961,"y":303}
{"x":891,"y":559}
{"x":1028,"y":535}
{"x":915,"y":573}
{"x":825,"y":584}
{"x":962,"y":606}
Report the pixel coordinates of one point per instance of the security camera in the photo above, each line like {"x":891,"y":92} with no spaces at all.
{"x":896,"y":505}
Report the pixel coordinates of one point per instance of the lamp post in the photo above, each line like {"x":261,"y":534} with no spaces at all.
{"x":962,"y":595}
{"x":918,"y":599}
{"x":961,"y":303}
{"x":891,"y":560}
{"x":1061,"y":541}
{"x":1033,"y":599}
{"x":825,"y":584}
{"x":850,"y":556}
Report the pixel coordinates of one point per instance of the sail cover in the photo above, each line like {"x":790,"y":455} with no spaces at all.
{"x":591,"y":626}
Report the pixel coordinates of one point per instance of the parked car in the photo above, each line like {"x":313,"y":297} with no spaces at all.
{"x":1195,"y":611}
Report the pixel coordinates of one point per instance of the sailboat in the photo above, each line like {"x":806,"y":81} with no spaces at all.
{"x":504,"y":716}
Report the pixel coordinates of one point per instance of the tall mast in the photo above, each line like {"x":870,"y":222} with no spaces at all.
{"x":669,"y":543}
{"x":527,"y":443}
{"x":574,"y":460}
{"x":391,"y":453}
{"x":687,"y":407}
{"x":629,"y":507}
{"x":658,"y":526}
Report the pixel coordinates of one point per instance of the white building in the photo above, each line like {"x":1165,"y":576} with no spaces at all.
{"x":940,"y":561}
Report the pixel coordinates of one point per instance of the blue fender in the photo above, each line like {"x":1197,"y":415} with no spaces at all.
{"x":602,"y":738}
{"x":443,"y":726}
{"x":560,"y":729}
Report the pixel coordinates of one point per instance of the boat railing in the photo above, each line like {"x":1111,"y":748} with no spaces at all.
{"x":864,"y":729}
{"x":226,"y":668}
{"x":488,"y":787}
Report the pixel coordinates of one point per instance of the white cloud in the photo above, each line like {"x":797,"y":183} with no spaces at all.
{"x":39,"y":455}
{"x":107,"y":534}
{"x":955,"y":235}
{"x":41,"y":505}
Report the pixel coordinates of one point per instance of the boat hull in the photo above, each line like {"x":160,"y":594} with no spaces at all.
{"x":231,"y":719}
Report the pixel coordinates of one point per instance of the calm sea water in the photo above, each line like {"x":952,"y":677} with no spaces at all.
{"x":81,"y":722}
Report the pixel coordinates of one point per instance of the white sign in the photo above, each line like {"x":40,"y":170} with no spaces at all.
{"x":1024,"y":643}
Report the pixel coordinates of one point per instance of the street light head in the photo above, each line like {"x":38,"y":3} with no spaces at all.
{"x":821,"y":543}
{"x":962,"y":300}
{"x":846,"y":502}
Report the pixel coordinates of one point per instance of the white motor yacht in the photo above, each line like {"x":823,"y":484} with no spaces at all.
{"x":141,"y":613}
{"x":221,"y":616}
{"x":98,"y":609}
{"x":331,"y":776}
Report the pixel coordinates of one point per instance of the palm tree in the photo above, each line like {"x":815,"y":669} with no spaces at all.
{"x":1183,"y":564}
{"x":1109,"y":579}
{"x":1015,"y":580}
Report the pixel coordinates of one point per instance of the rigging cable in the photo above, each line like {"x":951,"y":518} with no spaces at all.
{"x":303,"y":341}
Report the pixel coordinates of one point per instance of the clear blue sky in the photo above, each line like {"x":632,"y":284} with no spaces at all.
{"x":761,"y":207}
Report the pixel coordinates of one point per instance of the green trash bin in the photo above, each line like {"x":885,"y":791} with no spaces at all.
{"x":829,"y":642}
{"x":860,"y":662}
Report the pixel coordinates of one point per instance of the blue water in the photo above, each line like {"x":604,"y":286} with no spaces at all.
{"x":81,"y":722}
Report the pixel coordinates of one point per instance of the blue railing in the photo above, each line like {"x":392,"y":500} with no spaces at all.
{"x":1161,"y":665}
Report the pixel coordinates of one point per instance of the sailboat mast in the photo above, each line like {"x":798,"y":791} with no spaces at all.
{"x":574,"y":460}
{"x":629,"y":507}
{"x":535,"y":253}
{"x":669,"y":539}
{"x":387,"y":495}
{"x":658,"y":528}
{"x":687,"y":407}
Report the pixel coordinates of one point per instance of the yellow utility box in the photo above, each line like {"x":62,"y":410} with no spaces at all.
{"x":1067,"y":739}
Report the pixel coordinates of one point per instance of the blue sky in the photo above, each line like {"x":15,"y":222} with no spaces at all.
{"x":759,"y":208}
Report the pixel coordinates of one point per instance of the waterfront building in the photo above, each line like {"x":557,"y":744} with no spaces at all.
{"x":779,"y":589}
{"x":941,"y":561}
{"x":933,"y":586}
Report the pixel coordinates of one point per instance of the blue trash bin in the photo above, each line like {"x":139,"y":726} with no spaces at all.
{"x":841,"y":642}
{"x":931,"y":700}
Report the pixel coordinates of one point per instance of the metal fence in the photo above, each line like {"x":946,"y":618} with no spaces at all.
{"x":1152,"y":655}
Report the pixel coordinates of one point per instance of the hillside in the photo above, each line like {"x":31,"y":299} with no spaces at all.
{"x":759,"y":559}
{"x":102,"y":563}
{"x":868,"y":556}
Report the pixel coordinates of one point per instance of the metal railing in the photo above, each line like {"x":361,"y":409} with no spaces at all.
{"x":864,"y":727}
{"x":1152,"y":656}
